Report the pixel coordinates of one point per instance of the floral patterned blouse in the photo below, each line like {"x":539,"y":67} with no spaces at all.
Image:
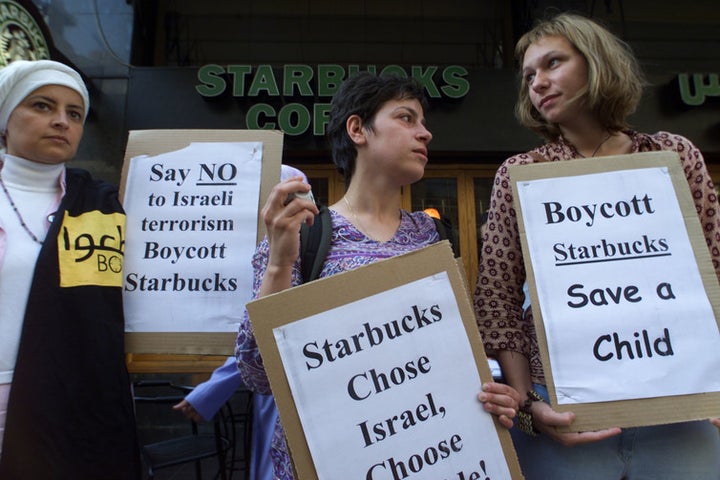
{"x":349,"y":249}
{"x":499,"y":296}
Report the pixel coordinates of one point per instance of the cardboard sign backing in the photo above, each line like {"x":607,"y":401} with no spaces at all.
{"x":156,"y":142}
{"x":342,"y":289}
{"x":635,"y":412}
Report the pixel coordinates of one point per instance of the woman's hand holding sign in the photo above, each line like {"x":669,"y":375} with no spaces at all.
{"x":500,"y":400}
{"x":283,"y":219}
{"x":546,"y":420}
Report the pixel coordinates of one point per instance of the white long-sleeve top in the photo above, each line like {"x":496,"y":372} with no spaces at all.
{"x":36,"y":190}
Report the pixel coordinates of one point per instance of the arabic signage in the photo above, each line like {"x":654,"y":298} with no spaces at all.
{"x":703,"y":86}
{"x":90,"y":249}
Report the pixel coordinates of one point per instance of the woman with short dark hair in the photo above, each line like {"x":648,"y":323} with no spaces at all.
{"x":379,"y":142}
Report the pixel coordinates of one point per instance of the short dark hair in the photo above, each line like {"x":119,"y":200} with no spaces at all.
{"x":364,"y":94}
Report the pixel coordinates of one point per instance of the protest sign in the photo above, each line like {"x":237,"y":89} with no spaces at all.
{"x":192,"y":199}
{"x":379,"y":378}
{"x":624,"y":294}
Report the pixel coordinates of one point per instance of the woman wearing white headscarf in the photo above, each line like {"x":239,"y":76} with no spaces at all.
{"x":66,"y":409}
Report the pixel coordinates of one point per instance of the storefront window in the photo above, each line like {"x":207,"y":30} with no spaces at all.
{"x":320,"y":189}
{"x":438,"y":196}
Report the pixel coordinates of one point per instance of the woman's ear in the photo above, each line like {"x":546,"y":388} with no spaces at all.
{"x":355,"y":130}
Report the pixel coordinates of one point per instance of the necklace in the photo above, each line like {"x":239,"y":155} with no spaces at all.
{"x":357,"y":220}
{"x":17,"y":212}
{"x":597,"y":149}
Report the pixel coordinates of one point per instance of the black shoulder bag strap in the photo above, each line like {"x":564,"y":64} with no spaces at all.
{"x":315,"y":244}
{"x":444,"y":229}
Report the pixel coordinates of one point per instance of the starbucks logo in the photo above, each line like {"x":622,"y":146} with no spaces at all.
{"x":20,"y":36}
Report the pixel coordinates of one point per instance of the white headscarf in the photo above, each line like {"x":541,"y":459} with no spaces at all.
{"x":22,"y":77}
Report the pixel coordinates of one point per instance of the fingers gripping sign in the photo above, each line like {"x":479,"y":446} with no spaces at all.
{"x":286,"y":209}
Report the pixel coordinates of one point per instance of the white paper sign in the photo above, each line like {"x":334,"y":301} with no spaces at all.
{"x":191,"y":230}
{"x":622,"y":301}
{"x":392,"y":379}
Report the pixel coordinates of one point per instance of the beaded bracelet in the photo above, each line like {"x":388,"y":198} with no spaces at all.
{"x":524,"y":416}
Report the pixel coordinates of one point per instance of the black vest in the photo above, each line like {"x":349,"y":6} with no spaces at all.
{"x":70,"y":412}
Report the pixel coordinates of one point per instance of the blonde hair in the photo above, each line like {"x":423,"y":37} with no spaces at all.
{"x":615,"y":80}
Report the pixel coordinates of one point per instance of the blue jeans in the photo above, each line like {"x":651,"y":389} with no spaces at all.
{"x":681,"y":451}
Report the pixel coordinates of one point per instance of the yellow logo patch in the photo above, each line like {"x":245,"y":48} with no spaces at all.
{"x":90,"y":249}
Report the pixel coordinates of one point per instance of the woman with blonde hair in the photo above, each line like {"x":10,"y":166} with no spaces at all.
{"x":579,"y":84}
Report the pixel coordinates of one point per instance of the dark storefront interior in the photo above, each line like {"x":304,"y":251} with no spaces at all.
{"x":174,"y":39}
